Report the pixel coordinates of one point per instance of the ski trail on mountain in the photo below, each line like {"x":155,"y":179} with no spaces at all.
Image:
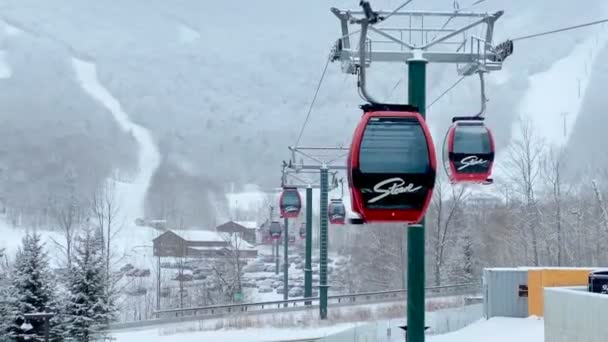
{"x":132,"y":196}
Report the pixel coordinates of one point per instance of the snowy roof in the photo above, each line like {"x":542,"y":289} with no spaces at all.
{"x":528,"y":268}
{"x":247,"y":224}
{"x":199,"y":235}
{"x":213,"y":248}
{"x":208,"y":235}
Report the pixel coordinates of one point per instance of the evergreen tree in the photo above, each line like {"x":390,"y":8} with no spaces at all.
{"x":88,"y":308}
{"x":3,"y":299}
{"x":31,"y":291}
{"x":4,"y":308}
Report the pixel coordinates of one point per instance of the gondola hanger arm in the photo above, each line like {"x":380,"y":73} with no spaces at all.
{"x":484,"y":99}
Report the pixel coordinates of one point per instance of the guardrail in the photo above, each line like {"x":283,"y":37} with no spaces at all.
{"x":343,"y":298}
{"x":218,"y":311}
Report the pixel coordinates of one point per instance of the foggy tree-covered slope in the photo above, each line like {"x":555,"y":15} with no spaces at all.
{"x":224,"y":87}
{"x":50,"y":129}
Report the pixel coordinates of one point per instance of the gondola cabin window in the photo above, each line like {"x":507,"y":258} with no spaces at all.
{"x":393,"y":145}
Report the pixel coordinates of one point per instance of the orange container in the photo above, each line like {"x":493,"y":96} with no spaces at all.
{"x":551,"y":277}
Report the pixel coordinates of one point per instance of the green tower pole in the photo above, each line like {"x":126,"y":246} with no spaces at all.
{"x":276,"y":256}
{"x":308,"y":261}
{"x":286,"y":262}
{"x":323,"y":245}
{"x":415,"y":233}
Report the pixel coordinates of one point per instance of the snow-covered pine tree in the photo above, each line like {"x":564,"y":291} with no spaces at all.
{"x":4,"y":307}
{"x":88,"y":309}
{"x":3,"y":293}
{"x":31,"y":291}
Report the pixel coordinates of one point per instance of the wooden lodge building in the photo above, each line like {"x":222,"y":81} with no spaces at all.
{"x":206,"y":244}
{"x":245,"y":229}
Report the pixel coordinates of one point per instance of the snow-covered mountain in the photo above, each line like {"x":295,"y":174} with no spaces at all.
{"x":223,"y":87}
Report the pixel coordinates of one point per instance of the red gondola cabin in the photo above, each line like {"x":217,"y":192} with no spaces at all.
{"x":336,"y":212}
{"x":290,"y":202}
{"x":302,"y":230}
{"x":391,"y":165}
{"x":468,"y":151}
{"x":275,"y":230}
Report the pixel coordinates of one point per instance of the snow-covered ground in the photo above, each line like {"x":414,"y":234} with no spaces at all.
{"x":497,"y":329}
{"x":249,"y":335}
{"x":546,"y":98}
{"x":11,"y":239}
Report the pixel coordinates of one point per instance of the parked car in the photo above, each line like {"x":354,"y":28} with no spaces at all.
{"x":254,"y":267}
{"x":296,"y":292}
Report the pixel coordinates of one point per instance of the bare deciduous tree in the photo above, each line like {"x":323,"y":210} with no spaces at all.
{"x":229,"y":267}
{"x":378,"y":257}
{"x":445,"y":208}
{"x":601,"y":223}
{"x":523,"y":167}
{"x":554,"y":175}
{"x":67,"y":211}
{"x":106,"y":210}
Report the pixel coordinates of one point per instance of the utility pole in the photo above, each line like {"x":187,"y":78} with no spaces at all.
{"x":321,"y":160}
{"x":286,"y":261}
{"x":472,"y":54}
{"x":308,"y":259}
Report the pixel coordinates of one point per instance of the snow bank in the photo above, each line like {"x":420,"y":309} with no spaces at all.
{"x":497,"y":329}
{"x":249,"y":335}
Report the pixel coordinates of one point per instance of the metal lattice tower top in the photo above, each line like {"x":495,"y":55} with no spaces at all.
{"x":303,"y":167}
{"x":458,"y":37}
